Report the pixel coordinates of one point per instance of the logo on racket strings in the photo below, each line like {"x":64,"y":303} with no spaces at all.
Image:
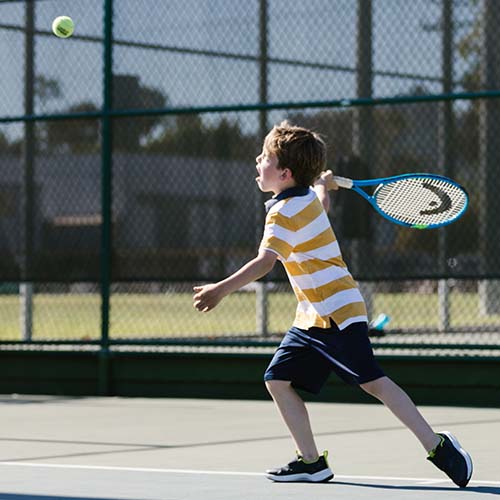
{"x":446,"y":202}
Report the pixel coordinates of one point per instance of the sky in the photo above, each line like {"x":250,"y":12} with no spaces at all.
{"x":320,"y":31}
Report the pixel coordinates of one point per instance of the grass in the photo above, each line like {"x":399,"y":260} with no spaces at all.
{"x":77,"y":316}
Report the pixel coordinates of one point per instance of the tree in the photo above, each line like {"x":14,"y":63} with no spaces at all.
{"x":10,"y":147}
{"x":78,"y":136}
{"x":4,"y":143}
{"x":469,"y":49}
{"x":130,"y":133}
{"x":227,"y":141}
{"x":46,"y":89}
{"x":189,"y":136}
{"x":82,"y":135}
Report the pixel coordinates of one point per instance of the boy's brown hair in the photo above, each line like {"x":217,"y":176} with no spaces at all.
{"x":298,"y":149}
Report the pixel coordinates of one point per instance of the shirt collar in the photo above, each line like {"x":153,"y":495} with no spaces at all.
{"x":287,"y":193}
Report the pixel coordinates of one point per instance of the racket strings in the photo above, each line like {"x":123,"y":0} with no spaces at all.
{"x":421,"y":200}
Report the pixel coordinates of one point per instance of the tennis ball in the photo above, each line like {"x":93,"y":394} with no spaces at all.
{"x":63,"y":26}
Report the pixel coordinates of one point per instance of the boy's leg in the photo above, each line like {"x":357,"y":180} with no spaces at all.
{"x":294,"y":413}
{"x":308,"y":466}
{"x":445,"y":452}
{"x":403,"y":408}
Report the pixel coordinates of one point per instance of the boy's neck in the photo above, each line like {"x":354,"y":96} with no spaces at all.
{"x":284,"y":187}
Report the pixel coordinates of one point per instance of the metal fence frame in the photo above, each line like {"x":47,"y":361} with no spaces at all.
{"x":362,"y":106}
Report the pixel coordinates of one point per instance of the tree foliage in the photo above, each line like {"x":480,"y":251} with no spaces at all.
{"x":75,"y":136}
{"x":189,"y":135}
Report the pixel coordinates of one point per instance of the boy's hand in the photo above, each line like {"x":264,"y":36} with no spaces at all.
{"x":206,"y":297}
{"x":326,"y":179}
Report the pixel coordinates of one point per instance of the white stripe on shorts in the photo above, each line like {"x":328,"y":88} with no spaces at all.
{"x":333,"y":360}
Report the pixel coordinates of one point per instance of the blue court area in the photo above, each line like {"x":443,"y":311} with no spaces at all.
{"x":149,"y":449}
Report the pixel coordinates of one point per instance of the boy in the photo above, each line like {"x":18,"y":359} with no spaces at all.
{"x":329,"y":332}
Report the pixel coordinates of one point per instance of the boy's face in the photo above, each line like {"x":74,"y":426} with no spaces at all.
{"x":269,"y":178}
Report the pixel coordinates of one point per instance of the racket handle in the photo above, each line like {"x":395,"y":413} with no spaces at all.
{"x":343,"y":182}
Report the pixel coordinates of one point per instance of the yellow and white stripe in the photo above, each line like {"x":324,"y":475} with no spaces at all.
{"x":299,"y":232}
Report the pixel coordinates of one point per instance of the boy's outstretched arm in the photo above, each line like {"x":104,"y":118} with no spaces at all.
{"x":321,"y":186}
{"x":206,"y":297}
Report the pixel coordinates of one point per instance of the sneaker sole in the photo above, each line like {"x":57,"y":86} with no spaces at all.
{"x":467,"y":457}
{"x":321,"y":476}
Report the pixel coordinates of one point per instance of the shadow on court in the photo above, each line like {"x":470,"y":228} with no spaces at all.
{"x":145,"y":447}
{"x":15,"y":496}
{"x":492,"y":490}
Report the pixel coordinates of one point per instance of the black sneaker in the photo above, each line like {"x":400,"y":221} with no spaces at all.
{"x":299,"y":470}
{"x":452,"y":459}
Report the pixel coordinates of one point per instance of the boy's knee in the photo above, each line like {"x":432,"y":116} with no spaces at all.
{"x":375,"y":387}
{"x":276,"y":386}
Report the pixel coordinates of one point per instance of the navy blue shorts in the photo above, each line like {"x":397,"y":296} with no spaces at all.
{"x":307,"y":357}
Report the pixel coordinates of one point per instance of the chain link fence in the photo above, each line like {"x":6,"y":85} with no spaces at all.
{"x":127,"y":159}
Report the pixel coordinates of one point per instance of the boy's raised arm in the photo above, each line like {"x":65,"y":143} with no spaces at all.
{"x":207,"y":297}
{"x":321,"y":185}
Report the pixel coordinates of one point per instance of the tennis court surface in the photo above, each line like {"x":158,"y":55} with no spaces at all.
{"x":117,"y":448}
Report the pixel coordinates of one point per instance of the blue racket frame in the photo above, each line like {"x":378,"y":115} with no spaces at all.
{"x":357,"y":186}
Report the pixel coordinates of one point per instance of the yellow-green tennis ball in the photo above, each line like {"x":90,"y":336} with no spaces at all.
{"x":63,"y":26}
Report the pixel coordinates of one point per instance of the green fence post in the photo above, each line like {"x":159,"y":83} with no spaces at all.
{"x":106,"y":193}
{"x":261,"y":295}
{"x":489,"y":158}
{"x":364,"y":142}
{"x":28,"y":196}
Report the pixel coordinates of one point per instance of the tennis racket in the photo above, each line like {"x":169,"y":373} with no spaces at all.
{"x":420,"y":201}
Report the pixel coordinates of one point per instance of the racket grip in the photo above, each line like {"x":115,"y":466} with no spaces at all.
{"x":343,"y":182}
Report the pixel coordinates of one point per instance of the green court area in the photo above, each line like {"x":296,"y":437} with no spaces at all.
{"x":77,"y":316}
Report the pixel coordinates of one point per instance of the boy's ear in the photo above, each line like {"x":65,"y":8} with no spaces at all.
{"x":286,"y":174}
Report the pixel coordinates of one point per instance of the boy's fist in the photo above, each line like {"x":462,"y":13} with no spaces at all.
{"x":326,"y":178}
{"x":206,"y":297}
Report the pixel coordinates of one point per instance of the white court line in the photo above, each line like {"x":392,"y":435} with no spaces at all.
{"x":132,"y":469}
{"x":225,"y":473}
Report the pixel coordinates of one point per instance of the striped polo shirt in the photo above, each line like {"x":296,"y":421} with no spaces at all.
{"x":298,"y":230}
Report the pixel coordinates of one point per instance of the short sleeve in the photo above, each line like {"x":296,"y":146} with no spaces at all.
{"x":278,"y":236}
